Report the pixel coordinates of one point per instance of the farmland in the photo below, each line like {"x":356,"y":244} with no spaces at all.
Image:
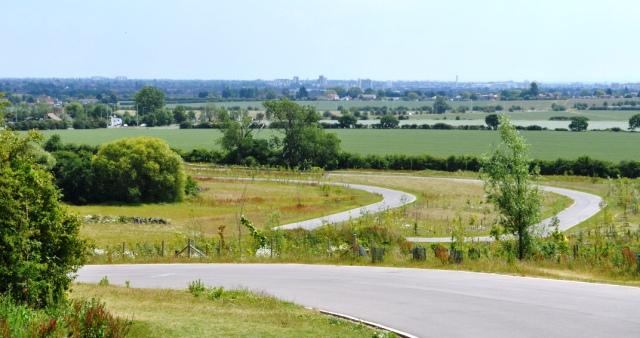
{"x":527,"y":105}
{"x":544,"y":144}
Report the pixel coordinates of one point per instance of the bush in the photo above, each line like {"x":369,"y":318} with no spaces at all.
{"x":140,"y":169}
{"x":39,"y":242}
{"x":91,"y":319}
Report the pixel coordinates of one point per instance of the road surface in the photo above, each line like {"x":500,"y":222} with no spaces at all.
{"x":584,"y":205}
{"x":423,"y":303}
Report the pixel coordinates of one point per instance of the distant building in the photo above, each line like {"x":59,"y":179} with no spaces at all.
{"x":46,"y":100}
{"x":368,"y":97}
{"x":322,"y":81}
{"x":52,"y":116}
{"x":332,"y":96}
{"x":365,"y":84}
{"x":115,"y":122}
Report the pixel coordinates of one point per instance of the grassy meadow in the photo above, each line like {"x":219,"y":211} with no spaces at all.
{"x":548,"y":145}
{"x":220,"y":203}
{"x":442,"y":203}
{"x":236,"y":313}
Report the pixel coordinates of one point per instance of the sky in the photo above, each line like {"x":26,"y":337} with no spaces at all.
{"x":489,"y":40}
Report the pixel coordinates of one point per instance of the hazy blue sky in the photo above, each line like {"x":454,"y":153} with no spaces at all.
{"x":544,"y":40}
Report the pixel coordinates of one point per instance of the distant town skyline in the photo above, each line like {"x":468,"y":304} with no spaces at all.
{"x":406,"y":40}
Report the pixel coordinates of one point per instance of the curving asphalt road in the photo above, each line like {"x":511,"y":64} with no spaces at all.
{"x":420,"y":302}
{"x":584,"y":207}
{"x":390,"y":199}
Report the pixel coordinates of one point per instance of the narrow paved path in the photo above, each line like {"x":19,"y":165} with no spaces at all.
{"x":584,"y":205}
{"x":424,"y":303}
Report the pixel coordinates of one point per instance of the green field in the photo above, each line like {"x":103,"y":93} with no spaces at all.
{"x":539,"y":105}
{"x":544,"y":144}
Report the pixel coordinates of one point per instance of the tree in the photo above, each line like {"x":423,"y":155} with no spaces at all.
{"x":509,"y":185}
{"x":354,"y":92}
{"x":304,"y":143}
{"x":492,"y":121}
{"x":75,"y":110}
{"x":4,"y":103}
{"x":40,"y":247}
{"x":180,"y":114}
{"x":139,"y":169}
{"x":148,"y":100}
{"x":634,"y":122}
{"x":440,"y":106}
{"x":579,"y":123}
{"x":302,"y":93}
{"x":533,"y":90}
{"x":240,"y":145}
{"x":74,"y":174}
{"x":347,"y":120}
{"x":389,"y":121}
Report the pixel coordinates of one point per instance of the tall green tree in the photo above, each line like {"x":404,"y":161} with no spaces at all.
{"x":302,"y":93}
{"x":440,"y":106}
{"x":304,"y":143}
{"x":634,"y":122}
{"x":579,"y":123}
{"x":239,"y":143}
{"x":492,"y":121}
{"x":4,"y":103}
{"x":347,"y":120}
{"x":39,"y":239}
{"x":534,"y":90}
{"x":389,"y":121}
{"x":149,"y":100}
{"x":509,"y":183}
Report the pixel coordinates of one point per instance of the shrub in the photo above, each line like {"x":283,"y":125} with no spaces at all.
{"x":39,"y":241}
{"x":140,"y":169}
{"x":91,"y":319}
{"x":197,"y":288}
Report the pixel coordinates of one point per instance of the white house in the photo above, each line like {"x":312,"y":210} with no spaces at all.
{"x":115,"y":122}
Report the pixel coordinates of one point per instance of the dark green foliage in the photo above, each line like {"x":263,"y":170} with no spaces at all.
{"x":148,"y":100}
{"x":305,"y":143}
{"x":634,"y":122}
{"x":389,"y":121}
{"x":440,"y":106}
{"x":140,"y":169}
{"x":74,"y":176}
{"x":492,"y":121}
{"x":579,"y":123}
{"x":39,"y":244}
{"x":39,"y":125}
{"x":347,"y":121}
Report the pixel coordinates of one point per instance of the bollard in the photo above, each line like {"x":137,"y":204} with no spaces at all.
{"x":638,"y":262}
{"x":377,"y":255}
{"x":456,"y":256}
{"x":419,"y":253}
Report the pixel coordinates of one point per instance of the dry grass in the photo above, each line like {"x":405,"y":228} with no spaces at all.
{"x":441,"y":202}
{"x":221,"y":203}
{"x":172,"y":313}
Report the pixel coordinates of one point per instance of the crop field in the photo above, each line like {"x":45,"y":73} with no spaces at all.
{"x":548,"y":145}
{"x":592,"y":115}
{"x":536,"y":105}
